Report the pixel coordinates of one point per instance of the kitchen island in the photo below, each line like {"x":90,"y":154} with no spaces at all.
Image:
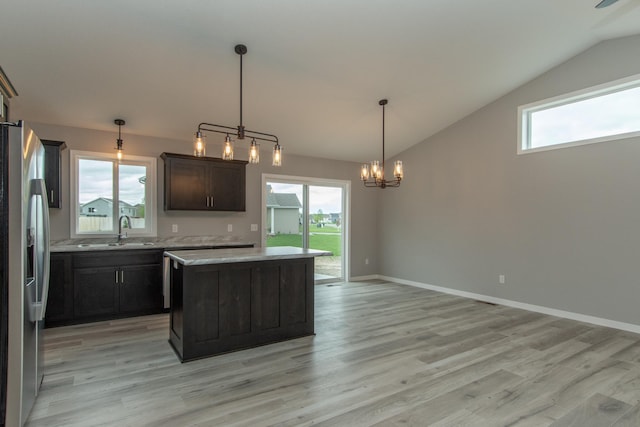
{"x":230,"y":299}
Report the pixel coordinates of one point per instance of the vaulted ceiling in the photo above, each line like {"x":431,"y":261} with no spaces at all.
{"x":314,"y":70}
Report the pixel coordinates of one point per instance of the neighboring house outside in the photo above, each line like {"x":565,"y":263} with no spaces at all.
{"x":104,"y":207}
{"x":283,"y":213}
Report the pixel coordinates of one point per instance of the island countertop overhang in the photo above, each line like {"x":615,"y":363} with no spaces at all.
{"x":228,"y":256}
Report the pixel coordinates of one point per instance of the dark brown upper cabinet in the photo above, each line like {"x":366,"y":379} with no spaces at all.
{"x":203,"y":183}
{"x":52,"y":171}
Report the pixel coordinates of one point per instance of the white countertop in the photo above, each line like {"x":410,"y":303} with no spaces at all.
{"x":228,"y":256}
{"x":164,"y":243}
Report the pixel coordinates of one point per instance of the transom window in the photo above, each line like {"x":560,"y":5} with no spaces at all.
{"x":105,"y":191}
{"x":603,"y":113}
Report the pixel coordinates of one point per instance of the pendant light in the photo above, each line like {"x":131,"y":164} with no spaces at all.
{"x":372,"y":174}
{"x":254,"y":152}
{"x":239,"y":132}
{"x":119,"y":153}
{"x":199,"y":145}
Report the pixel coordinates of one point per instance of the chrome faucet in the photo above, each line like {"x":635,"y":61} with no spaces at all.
{"x":120,"y":236}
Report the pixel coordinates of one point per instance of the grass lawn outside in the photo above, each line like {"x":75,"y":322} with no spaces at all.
{"x":326,"y":242}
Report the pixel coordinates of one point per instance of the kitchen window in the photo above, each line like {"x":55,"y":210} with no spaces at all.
{"x":105,"y":192}
{"x":602,"y":113}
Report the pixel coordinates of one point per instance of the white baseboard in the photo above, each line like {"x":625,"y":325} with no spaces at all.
{"x":363,"y":278}
{"x":530,"y":307}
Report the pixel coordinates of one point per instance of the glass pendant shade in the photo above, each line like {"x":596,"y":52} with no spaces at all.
{"x":227,"y":149}
{"x":397,"y":169}
{"x":199,"y":145}
{"x":379,"y":174}
{"x":277,"y":155}
{"x":119,"y":154}
{"x":254,"y":152}
{"x":375,"y":168}
{"x":364,"y":172}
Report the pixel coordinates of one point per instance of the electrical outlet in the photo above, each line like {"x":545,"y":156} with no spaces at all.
{"x":229,"y":228}
{"x":254,"y":227}
{"x":174,"y":228}
{"x":501,"y":279}
{"x":366,"y":261}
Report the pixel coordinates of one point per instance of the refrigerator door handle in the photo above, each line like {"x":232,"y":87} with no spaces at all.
{"x":38,"y":188}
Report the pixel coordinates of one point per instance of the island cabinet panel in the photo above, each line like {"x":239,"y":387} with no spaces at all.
{"x":226,"y":307}
{"x":235,"y":301}
{"x":294,"y":297}
{"x":266,"y":294}
{"x":206,"y":307}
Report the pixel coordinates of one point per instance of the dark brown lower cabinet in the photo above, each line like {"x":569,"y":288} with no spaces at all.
{"x":91,"y":286}
{"x":60,"y":300}
{"x":111,"y":291}
{"x":225,"y":307}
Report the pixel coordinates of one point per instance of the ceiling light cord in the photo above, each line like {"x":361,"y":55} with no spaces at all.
{"x":383,"y":104}
{"x":241,"y":127}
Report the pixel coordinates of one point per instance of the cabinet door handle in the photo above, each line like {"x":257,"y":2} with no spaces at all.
{"x":212,"y":203}
{"x":207,"y":201}
{"x":122,"y":276}
{"x":116,"y":276}
{"x":51,"y":199}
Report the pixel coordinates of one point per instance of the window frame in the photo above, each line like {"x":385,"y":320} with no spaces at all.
{"x":150,"y":205}
{"x":525,"y":111}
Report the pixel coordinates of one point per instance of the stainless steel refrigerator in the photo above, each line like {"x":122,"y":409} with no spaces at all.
{"x":25,"y":249}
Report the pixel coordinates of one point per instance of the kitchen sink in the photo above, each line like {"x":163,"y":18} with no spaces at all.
{"x":104,"y":245}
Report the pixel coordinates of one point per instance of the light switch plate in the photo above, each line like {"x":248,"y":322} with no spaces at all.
{"x":229,"y":228}
{"x":254,"y":227}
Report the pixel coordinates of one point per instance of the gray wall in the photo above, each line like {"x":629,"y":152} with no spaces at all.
{"x":363,"y":201}
{"x":563,"y":225}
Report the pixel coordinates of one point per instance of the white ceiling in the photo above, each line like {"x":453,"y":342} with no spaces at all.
{"x":314,"y":70}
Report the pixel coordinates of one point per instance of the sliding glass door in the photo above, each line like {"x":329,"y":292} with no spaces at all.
{"x":308,"y":213}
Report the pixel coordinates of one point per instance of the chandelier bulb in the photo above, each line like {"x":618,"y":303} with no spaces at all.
{"x":199,"y":145}
{"x":227,"y":149}
{"x":277,"y":155}
{"x":254,"y":152}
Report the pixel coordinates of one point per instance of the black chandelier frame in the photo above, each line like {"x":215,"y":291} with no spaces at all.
{"x":373,"y":180}
{"x":240,"y":132}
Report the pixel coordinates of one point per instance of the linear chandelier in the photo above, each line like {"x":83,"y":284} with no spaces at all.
{"x":372,"y":174}
{"x":239,"y":132}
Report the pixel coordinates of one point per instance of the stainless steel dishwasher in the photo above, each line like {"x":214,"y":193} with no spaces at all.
{"x":166,"y":282}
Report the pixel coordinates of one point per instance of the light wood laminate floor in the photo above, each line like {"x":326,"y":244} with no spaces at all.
{"x":384,"y":354}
